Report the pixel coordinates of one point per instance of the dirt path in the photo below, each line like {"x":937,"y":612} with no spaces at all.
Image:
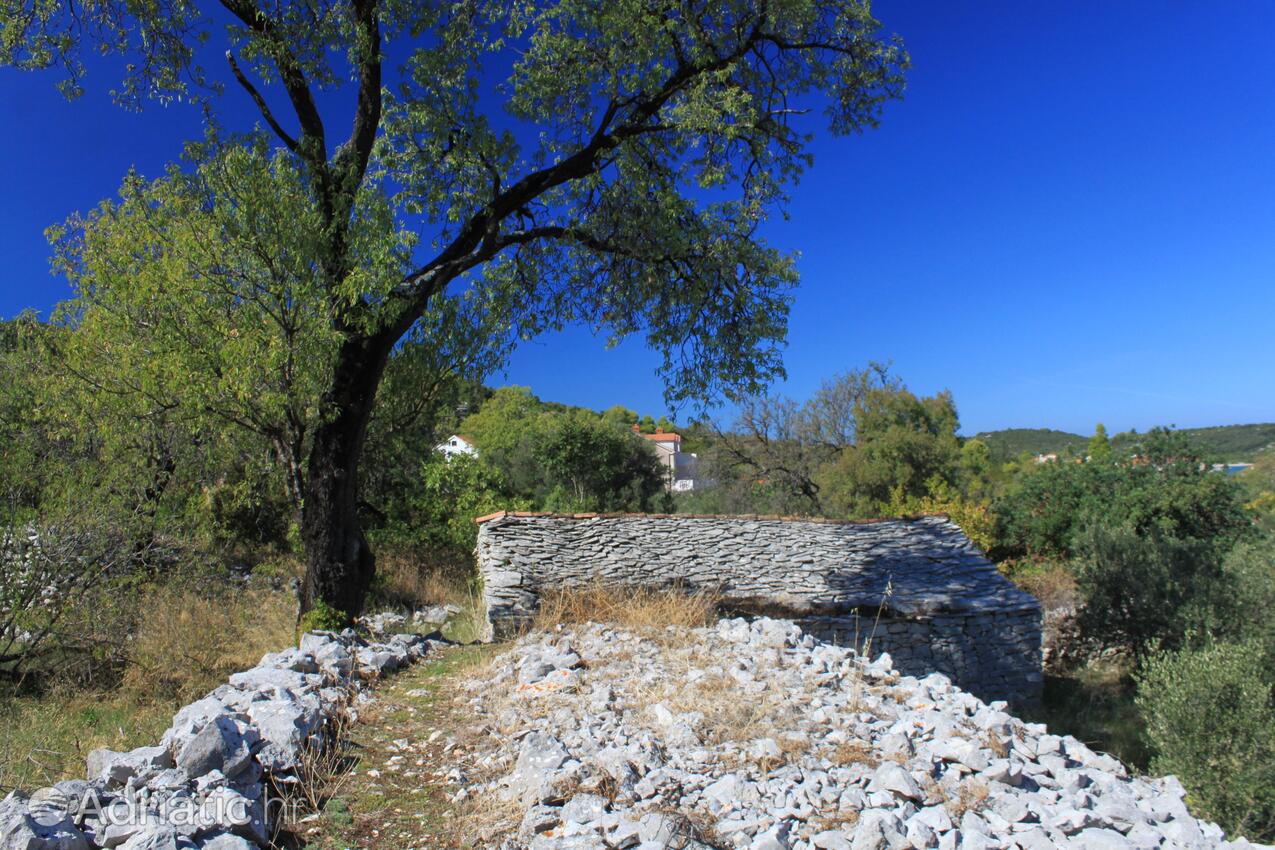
{"x":393,"y":789}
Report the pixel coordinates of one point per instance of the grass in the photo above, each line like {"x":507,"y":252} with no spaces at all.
{"x":407,"y":584}
{"x":182,"y":641}
{"x":185,"y":645}
{"x":636,"y":608}
{"x":45,"y":739}
{"x":1050,"y":581}
{"x":970,"y":796}
{"x":1095,"y":704}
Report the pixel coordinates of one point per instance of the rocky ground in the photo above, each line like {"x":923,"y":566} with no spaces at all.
{"x":755,"y":735}
{"x":584,"y":737}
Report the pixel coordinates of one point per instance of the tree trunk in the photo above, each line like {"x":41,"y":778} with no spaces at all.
{"x":339,"y":561}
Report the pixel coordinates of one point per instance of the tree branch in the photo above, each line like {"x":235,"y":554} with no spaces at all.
{"x":261,"y":103}
{"x":367,"y":112}
{"x":290,"y":73}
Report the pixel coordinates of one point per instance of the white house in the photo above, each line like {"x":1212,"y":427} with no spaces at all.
{"x":679,"y":465}
{"x":457,"y":444}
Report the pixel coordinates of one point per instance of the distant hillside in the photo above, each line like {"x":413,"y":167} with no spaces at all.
{"x":1012,"y":442}
{"x":1221,"y":443}
{"x":1231,"y":442}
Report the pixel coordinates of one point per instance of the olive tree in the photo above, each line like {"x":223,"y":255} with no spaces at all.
{"x":621,"y":180}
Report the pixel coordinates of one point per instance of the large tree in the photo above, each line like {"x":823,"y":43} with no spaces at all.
{"x":640,"y":145}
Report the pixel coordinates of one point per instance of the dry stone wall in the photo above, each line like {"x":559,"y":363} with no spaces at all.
{"x":211,"y":783}
{"x":916,"y":588}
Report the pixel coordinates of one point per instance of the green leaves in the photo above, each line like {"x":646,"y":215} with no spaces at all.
{"x":1209,"y":714}
{"x":639,"y":149}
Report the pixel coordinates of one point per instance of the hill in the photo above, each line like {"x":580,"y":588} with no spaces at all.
{"x":1011,"y":442}
{"x":1232,"y":442}
{"x":1221,"y":442}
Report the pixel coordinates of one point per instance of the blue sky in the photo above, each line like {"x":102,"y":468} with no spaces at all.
{"x":1069,"y":219}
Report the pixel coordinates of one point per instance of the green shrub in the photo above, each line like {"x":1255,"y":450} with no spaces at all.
{"x":1209,"y":719}
{"x":438,"y":518}
{"x":1140,"y":589}
{"x":322,"y":618}
{"x":1250,"y":612}
{"x":1165,"y":488}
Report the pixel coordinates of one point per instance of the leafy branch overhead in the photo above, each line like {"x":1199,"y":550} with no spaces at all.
{"x":571,"y":161}
{"x":622,"y":184}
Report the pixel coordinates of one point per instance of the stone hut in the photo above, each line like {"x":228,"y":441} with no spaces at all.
{"x":915,"y":587}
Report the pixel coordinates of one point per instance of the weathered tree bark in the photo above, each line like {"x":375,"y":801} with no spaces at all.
{"x":339,"y":562}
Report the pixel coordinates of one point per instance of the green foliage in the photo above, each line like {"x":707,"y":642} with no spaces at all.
{"x":843,"y":452}
{"x":1010,"y":443}
{"x":905,"y":448}
{"x":587,"y":464}
{"x":322,"y":618}
{"x":1234,"y":442}
{"x":1209,"y":716}
{"x":1166,"y":489}
{"x":500,"y":429}
{"x":974,"y":518}
{"x":1250,"y":575}
{"x":438,"y":519}
{"x":566,"y":459}
{"x":1099,"y":444}
{"x":1220,"y":443}
{"x":1147,"y":589}
{"x":1259,"y":484}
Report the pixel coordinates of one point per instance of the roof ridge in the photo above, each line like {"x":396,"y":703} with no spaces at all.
{"x":741,"y":517}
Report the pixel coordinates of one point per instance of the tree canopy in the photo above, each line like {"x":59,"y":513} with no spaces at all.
{"x":622,"y":182}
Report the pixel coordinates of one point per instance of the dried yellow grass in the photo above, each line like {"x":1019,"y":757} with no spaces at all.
{"x":405,"y":581}
{"x":187,"y":643}
{"x":970,"y":796}
{"x":854,"y":752}
{"x":638,"y":609}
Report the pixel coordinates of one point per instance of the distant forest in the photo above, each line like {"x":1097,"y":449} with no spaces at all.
{"x":1229,"y":443}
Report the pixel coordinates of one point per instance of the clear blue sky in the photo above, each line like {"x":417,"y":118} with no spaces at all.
{"x":1070,"y":218}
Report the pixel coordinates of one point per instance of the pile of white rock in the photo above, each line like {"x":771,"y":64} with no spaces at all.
{"x":754,"y":735}
{"x":214,"y":780}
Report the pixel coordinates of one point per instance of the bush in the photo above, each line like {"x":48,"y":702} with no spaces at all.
{"x":438,"y":519}
{"x":1250,"y":573}
{"x":1209,"y":719}
{"x":974,"y":518}
{"x":323,"y":618}
{"x":1139,"y":589}
{"x":63,"y":592}
{"x":1164,"y":489}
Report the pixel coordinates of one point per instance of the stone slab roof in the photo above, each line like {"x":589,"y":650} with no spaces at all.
{"x":911,"y":566}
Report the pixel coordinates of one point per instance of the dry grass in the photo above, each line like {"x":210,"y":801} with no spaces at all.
{"x":970,"y":796}
{"x":404,"y":581}
{"x":841,"y":819}
{"x":729,"y":713}
{"x":47,"y":738}
{"x":187,"y":643}
{"x":638,"y":609}
{"x":854,"y":752}
{"x":1052,"y":582}
{"x":998,"y":744}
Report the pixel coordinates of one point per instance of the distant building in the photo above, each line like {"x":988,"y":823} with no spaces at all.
{"x":679,"y":466}
{"x":457,"y":444}
{"x":1052,"y":457}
